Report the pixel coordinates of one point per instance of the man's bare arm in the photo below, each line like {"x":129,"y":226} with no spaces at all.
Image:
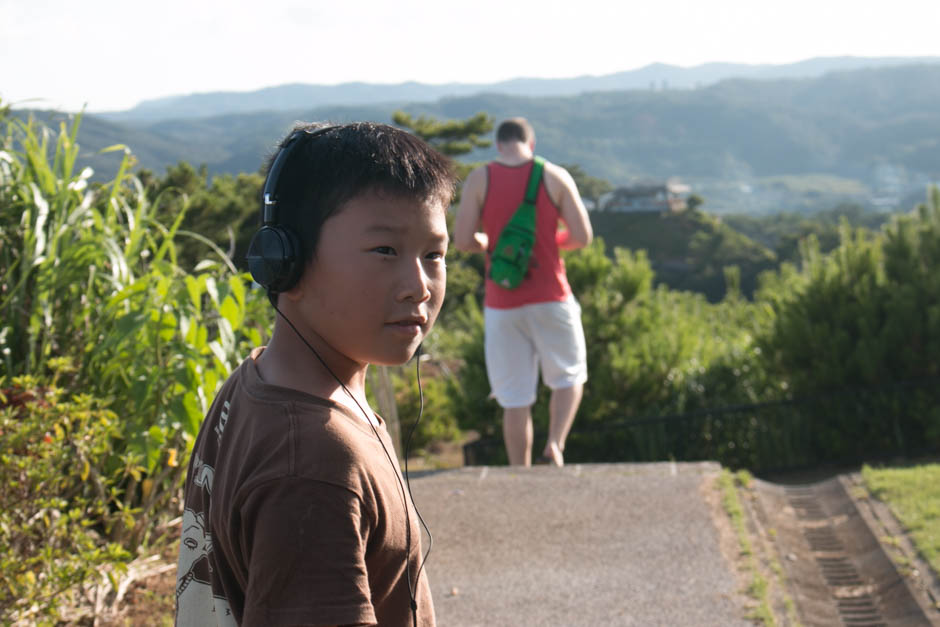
{"x":467,"y":234}
{"x":564,"y":191}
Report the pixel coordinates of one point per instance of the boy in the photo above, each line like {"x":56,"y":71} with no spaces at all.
{"x":295,"y":510}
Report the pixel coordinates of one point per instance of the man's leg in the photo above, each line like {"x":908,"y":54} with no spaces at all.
{"x":562,"y":353}
{"x":512,"y":370}
{"x":517,"y":434}
{"x":561,"y":411}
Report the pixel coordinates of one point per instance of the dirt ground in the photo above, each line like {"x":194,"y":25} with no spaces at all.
{"x":150,"y":600}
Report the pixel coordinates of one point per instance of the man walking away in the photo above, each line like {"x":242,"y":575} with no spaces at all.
{"x":535,"y":326}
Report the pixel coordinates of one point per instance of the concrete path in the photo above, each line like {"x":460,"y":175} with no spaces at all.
{"x":606,"y":544}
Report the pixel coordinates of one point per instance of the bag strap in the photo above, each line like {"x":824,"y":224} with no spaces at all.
{"x":535,"y":178}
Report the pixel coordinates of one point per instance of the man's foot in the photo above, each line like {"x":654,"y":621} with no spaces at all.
{"x":552,"y":455}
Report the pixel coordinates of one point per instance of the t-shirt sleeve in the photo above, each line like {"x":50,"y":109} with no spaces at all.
{"x":305,"y":542}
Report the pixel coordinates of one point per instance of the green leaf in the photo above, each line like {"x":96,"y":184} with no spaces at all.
{"x":113,"y":148}
{"x":156,"y":435}
{"x":163,"y":287}
{"x":219,"y":353}
{"x":231,"y":312}
{"x":194,"y":413}
{"x":237,"y":285}
{"x":212,"y":289}
{"x":195,"y":288}
{"x":202,"y":338}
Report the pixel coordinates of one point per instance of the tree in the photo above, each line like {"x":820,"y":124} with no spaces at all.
{"x":590,"y":187}
{"x":860,"y":321}
{"x":450,"y":137}
{"x":694,"y":202}
{"x":223,"y":211}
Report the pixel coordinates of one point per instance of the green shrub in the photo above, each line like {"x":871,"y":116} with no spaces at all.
{"x":650,"y":352}
{"x":223,"y":210}
{"x":852,"y":324}
{"x":438,"y":422}
{"x":90,"y":278}
{"x":59,"y":499}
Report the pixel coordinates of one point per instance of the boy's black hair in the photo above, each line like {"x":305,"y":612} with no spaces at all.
{"x":333,"y":164}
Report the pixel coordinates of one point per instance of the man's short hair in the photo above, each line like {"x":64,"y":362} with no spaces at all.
{"x":334,"y":164}
{"x":515,"y":130}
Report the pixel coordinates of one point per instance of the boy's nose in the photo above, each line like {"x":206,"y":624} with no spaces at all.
{"x":416,"y":284}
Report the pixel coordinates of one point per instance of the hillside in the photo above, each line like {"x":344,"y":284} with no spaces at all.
{"x":657,"y":75}
{"x":688,"y":250}
{"x":873,"y":130}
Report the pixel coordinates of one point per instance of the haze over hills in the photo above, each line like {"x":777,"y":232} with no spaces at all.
{"x":869,"y":135}
{"x":656,"y":76}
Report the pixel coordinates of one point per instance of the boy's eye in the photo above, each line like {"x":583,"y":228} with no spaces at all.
{"x":435,"y":255}
{"x":384,"y":250}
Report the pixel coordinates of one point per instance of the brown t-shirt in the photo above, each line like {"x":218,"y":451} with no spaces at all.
{"x":294,"y":515}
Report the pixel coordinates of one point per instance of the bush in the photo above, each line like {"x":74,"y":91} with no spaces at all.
{"x":857,"y":323}
{"x":90,"y":277}
{"x":438,"y":423}
{"x":650,"y":352}
{"x":59,"y":499}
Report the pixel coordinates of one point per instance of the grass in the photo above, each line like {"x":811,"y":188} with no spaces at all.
{"x":913,"y":494}
{"x":758,"y":587}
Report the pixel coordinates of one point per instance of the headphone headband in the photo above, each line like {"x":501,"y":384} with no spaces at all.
{"x":269,"y":196}
{"x":275,"y":252}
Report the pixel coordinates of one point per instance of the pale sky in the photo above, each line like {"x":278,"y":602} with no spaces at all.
{"x":111,"y":54}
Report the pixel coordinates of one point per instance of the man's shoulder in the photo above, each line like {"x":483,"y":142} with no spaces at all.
{"x":478,"y":174}
{"x":555,"y":170}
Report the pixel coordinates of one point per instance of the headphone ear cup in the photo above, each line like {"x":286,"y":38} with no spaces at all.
{"x":295,"y":266}
{"x":274,"y":258}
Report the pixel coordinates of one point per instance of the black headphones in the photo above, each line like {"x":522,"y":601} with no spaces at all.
{"x":275,"y":254}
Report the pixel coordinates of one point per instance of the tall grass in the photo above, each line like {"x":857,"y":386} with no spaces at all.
{"x":93,"y":304}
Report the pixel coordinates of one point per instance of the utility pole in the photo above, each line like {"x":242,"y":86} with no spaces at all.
{"x":381,"y":382}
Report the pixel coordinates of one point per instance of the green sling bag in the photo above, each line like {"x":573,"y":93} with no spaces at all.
{"x":509,"y":261}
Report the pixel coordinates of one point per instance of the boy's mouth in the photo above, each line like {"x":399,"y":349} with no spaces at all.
{"x":413,"y":324}
{"x":418,"y":321}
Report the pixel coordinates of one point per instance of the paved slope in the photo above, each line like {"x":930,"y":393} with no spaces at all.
{"x":615,"y":544}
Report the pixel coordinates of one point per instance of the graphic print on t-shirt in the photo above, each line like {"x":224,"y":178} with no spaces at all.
{"x":195,"y":546}
{"x":195,"y":602}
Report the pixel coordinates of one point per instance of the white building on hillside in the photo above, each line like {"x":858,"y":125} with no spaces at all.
{"x":647,"y":196}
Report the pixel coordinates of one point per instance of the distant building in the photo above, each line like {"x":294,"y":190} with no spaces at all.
{"x":649,"y":196}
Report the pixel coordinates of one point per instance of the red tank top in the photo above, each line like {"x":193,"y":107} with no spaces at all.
{"x":545,"y":281}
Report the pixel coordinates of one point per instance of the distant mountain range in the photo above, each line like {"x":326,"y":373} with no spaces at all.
{"x":867,"y":135}
{"x":655,"y":76}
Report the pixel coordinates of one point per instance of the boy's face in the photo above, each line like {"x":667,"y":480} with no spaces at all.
{"x":376,"y":284}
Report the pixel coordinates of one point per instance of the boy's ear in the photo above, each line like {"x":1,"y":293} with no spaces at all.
{"x":296,"y":292}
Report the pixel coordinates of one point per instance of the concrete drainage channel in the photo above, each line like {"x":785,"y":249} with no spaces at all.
{"x":836,"y":569}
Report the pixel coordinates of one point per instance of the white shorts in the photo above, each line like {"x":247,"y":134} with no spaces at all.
{"x":520,"y":341}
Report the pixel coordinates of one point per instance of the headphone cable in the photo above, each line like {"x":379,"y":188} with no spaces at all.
{"x":411,"y":494}
{"x":412,"y":592}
